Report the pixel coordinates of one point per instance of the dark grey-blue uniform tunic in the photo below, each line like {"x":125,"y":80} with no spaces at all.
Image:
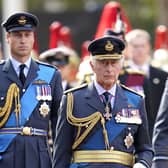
{"x":127,"y":137}
{"x":29,"y":149}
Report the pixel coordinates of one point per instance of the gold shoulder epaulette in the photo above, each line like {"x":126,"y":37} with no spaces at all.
{"x":131,"y":90}
{"x":133,"y":71}
{"x":76,"y":88}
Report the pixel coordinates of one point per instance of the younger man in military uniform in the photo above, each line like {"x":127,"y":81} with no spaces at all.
{"x":30,"y":94}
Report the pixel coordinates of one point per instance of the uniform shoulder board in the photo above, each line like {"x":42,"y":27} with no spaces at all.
{"x":133,"y":71}
{"x":76,"y":88}
{"x":131,"y":90}
{"x":46,"y":64}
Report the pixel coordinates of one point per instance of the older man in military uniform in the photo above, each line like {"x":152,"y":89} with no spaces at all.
{"x":103,"y":124}
{"x":30,"y":95}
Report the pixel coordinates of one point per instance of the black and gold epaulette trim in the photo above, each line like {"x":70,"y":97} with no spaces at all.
{"x":131,"y":90}
{"x":76,"y":88}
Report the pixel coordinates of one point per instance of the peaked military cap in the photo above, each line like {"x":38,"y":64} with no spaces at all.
{"x":55,"y":56}
{"x":20,"y":21}
{"x":106,"y":47}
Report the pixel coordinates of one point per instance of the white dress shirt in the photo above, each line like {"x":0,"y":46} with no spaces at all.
{"x":16,"y":65}
{"x":101,"y":90}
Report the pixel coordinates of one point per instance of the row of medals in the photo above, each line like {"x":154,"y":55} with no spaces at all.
{"x":43,"y":93}
{"x":129,"y":139}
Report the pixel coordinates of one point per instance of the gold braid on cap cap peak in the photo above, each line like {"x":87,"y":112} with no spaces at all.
{"x":108,"y":56}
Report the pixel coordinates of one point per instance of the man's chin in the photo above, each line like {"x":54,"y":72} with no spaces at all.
{"x":109,"y":83}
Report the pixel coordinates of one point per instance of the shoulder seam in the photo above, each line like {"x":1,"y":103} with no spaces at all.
{"x":76,"y":88}
{"x":131,"y":90}
{"x":46,"y":64}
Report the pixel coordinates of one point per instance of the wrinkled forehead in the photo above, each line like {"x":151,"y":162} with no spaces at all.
{"x":110,"y":61}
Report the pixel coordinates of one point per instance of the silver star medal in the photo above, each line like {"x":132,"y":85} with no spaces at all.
{"x":44,"y":109}
{"x":129,"y":140}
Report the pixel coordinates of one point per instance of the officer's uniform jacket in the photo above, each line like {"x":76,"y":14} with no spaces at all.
{"x":25,"y":151}
{"x":160,"y":133}
{"x":86,"y":102}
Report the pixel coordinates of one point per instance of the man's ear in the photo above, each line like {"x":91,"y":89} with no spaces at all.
{"x":7,"y":37}
{"x":92,"y":65}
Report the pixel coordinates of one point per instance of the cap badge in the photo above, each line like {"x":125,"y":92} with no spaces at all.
{"x":109,"y":46}
{"x":22,"y":20}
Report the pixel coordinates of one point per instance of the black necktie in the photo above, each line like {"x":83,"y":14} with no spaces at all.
{"x":107,"y":103}
{"x":21,"y":74}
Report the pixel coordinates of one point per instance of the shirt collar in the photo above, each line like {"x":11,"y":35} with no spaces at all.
{"x":16,"y":64}
{"x":101,"y":90}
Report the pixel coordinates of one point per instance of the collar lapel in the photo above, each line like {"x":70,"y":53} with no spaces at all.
{"x":32,"y":74}
{"x":10,"y":72}
{"x":93,"y":98}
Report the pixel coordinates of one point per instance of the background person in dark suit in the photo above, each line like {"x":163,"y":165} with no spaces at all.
{"x":139,"y":50}
{"x":102,"y":124}
{"x":30,"y":94}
